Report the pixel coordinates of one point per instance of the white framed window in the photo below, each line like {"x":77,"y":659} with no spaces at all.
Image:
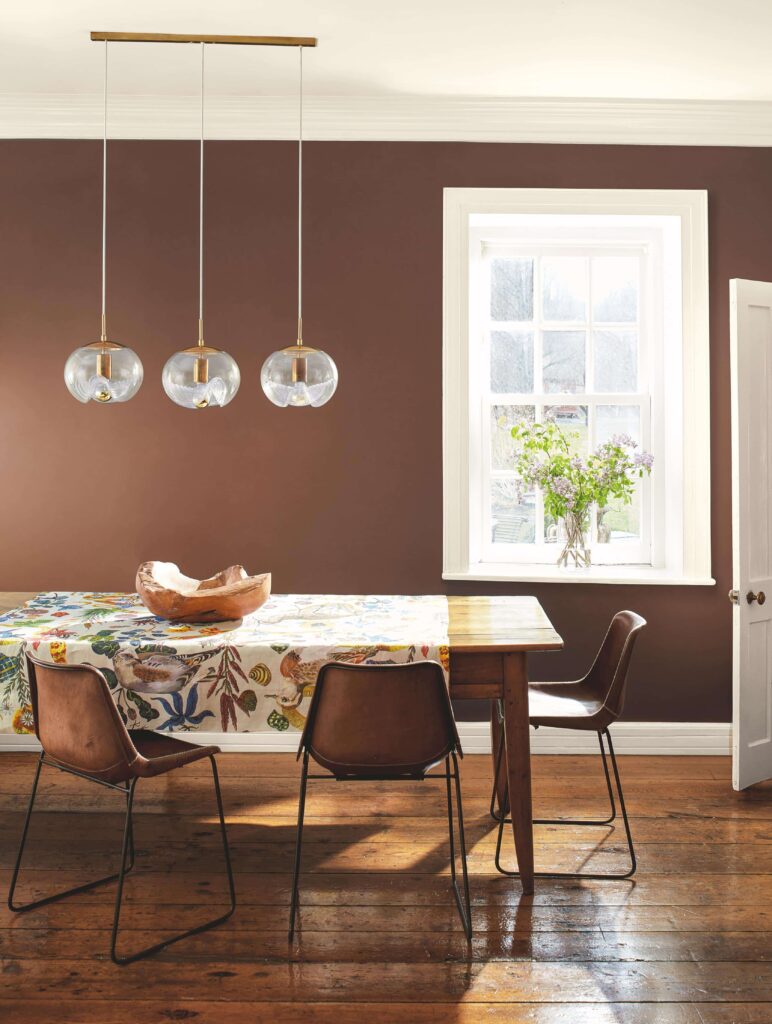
{"x":589,"y":305}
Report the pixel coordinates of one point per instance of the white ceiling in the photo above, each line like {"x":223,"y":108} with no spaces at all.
{"x":443,"y":55}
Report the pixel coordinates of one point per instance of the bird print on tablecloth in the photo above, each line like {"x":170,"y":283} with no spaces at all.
{"x":154,"y":672}
{"x":300,"y":676}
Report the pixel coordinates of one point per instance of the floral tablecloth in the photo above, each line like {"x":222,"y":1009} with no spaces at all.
{"x":249,"y":676}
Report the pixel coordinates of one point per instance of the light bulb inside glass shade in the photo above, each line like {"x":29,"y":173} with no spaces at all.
{"x":104,"y":373}
{"x":299,"y":376}
{"x":201,"y":378}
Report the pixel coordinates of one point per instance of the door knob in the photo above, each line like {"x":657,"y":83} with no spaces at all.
{"x":734,"y":596}
{"x":750,"y":597}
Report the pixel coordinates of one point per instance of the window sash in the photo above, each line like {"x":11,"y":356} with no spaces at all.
{"x":637,"y":551}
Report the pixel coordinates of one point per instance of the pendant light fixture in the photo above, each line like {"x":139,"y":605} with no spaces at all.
{"x":201,"y":377}
{"x":299,"y":375}
{"x":103,"y":371}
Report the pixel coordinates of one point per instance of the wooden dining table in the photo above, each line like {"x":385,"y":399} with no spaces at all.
{"x":490,"y":639}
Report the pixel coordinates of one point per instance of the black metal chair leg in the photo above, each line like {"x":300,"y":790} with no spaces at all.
{"x":564,"y":821}
{"x":127,"y":840}
{"x":131,"y":833}
{"x":127,"y":831}
{"x":298,"y":844}
{"x":630,"y":847}
{"x":584,"y":821}
{"x":25,"y":830}
{"x":450,"y":824}
{"x":497,"y":769}
{"x":612,"y":804}
{"x":462,"y":902}
{"x":22,"y":907}
{"x":223,"y":834}
{"x":559,"y":821}
{"x":465,"y":907}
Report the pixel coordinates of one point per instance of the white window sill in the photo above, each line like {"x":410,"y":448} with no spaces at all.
{"x":631,"y":574}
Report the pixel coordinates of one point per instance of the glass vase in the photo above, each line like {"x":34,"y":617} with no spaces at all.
{"x":576,"y":546}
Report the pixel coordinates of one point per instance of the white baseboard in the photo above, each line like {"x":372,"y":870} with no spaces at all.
{"x":629,"y":738}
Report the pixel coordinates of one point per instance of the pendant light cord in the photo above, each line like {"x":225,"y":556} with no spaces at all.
{"x":201,"y":213}
{"x":104,"y":204}
{"x":300,"y":198}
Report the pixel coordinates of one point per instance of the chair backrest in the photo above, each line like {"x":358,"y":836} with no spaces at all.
{"x":380,"y":720}
{"x":608,"y":675}
{"x":77,"y":722}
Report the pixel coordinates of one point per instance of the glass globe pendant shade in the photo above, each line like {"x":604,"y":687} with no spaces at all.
{"x":298,"y":375}
{"x":201,"y":377}
{"x":103,"y":372}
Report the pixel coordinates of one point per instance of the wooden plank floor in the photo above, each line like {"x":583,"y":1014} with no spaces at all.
{"x":689,"y":941}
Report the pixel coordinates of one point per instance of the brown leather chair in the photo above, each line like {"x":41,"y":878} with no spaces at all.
{"x":394,"y":722}
{"x":81,"y":733}
{"x":589,"y":704}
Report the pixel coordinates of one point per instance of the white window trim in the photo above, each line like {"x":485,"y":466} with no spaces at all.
{"x":692,"y":564}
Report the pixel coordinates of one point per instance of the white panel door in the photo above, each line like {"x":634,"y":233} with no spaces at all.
{"x":751,"y":366}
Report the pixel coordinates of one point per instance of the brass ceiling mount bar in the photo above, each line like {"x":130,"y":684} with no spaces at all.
{"x":175,"y":37}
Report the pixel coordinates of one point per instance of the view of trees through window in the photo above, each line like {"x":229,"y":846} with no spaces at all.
{"x":562,"y":334}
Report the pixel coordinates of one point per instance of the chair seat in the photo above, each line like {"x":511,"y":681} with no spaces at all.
{"x":161,"y":753}
{"x":566,"y":706}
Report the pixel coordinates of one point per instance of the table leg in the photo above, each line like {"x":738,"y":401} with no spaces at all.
{"x":518,"y":757}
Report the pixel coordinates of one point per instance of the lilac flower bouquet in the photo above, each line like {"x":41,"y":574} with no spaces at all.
{"x":571,"y":485}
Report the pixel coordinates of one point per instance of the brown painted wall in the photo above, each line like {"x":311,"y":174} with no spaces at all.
{"x":346,"y":498}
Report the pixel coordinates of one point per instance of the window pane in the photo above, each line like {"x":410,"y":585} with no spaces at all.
{"x":615,"y":289}
{"x":616,"y":360}
{"x":503,"y":418}
{"x":619,"y":523}
{"x":563,"y":363}
{"x":564,"y":288}
{"x":574,"y":422}
{"x":511,"y":361}
{"x":513,"y":521}
{"x":551,"y":530}
{"x":512,"y":289}
{"x":617,"y":419}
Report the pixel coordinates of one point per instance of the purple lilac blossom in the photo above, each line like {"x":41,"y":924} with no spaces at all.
{"x":563,"y":487}
{"x":623,"y":441}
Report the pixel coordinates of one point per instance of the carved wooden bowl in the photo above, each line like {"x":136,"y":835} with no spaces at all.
{"x":231,"y":594}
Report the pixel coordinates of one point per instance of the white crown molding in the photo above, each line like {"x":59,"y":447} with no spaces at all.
{"x":658,"y":738}
{"x":393,"y":118}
